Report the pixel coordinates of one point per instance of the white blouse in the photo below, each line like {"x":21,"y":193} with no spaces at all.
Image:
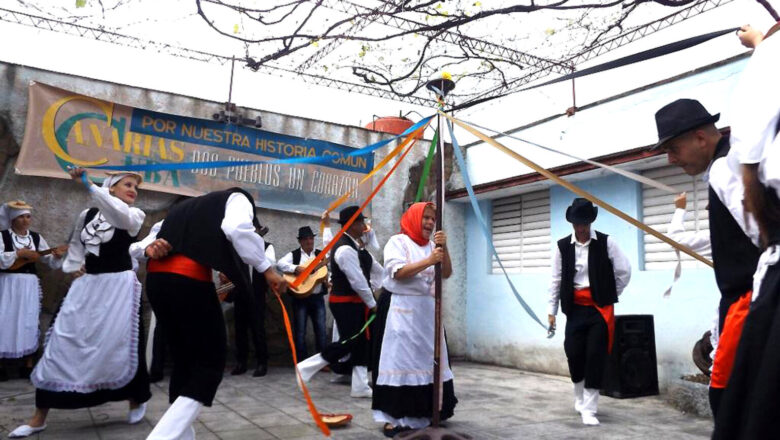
{"x":7,"y":259}
{"x":114,"y":213}
{"x":401,"y":250}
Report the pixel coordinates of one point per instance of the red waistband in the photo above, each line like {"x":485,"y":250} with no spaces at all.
{"x":345,"y":299}
{"x":180,"y":265}
{"x":583,"y":297}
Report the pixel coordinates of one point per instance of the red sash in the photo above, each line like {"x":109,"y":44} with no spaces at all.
{"x":729,"y":340}
{"x":354,"y":299}
{"x":180,"y":265}
{"x":583,"y":297}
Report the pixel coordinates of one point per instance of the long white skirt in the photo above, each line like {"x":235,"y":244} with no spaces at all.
{"x":407,"y":345}
{"x":93,"y":343}
{"x":20,"y":306}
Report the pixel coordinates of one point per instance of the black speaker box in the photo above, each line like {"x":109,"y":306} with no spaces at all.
{"x":631,"y":369}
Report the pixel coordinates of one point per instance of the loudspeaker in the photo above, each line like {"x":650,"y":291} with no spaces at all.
{"x":631,"y":369}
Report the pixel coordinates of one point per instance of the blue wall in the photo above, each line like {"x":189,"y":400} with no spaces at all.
{"x":499,"y":331}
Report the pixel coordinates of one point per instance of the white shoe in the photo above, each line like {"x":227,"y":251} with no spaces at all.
{"x":25,"y":431}
{"x":310,"y":366}
{"x":362,"y":393}
{"x":360,"y":387}
{"x":137,"y":414}
{"x":589,"y":419}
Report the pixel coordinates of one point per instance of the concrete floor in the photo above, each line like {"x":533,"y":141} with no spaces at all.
{"x":495,"y":403}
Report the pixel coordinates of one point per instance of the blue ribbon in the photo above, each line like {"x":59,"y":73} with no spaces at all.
{"x":226,"y":163}
{"x":483,"y":224}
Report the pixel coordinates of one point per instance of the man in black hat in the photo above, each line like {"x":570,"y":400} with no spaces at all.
{"x":687,"y":133}
{"x":312,"y":306}
{"x":589,"y":272}
{"x":354,"y":275}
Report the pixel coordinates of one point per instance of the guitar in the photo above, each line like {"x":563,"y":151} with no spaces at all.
{"x":317,"y":276}
{"x":22,"y":261}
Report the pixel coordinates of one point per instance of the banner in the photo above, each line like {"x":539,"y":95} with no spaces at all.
{"x":65,"y":128}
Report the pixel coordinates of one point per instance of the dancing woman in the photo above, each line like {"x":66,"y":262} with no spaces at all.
{"x":20,"y":291}
{"x":93,"y":351}
{"x":403,"y":392}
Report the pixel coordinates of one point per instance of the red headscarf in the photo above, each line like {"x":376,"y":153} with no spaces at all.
{"x":411,"y":222}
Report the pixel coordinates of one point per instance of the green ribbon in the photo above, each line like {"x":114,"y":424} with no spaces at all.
{"x":365,"y":326}
{"x":427,"y":167}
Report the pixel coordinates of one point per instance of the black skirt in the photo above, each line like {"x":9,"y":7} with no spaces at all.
{"x":137,"y":389}
{"x":750,"y":406}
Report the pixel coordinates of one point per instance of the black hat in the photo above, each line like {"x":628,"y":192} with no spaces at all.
{"x":347,"y":213}
{"x":679,"y":117}
{"x":305,"y":232}
{"x":581,"y":212}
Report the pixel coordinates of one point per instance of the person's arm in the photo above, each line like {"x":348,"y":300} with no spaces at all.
{"x":117,"y":212}
{"x":240,"y":231}
{"x":371,"y":241}
{"x":749,"y":36}
{"x":327,"y":234}
{"x":285,"y":264}
{"x":555,"y":286}
{"x":620,"y":265}
{"x":270,"y":253}
{"x":75,"y":257}
{"x":347,"y":259}
{"x":377,"y":274}
{"x":54,"y":259}
{"x":729,"y":189}
{"x":138,"y":249}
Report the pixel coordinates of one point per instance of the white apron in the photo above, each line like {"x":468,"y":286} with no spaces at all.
{"x":20,"y":306}
{"x":93,"y":343}
{"x":407,"y":345}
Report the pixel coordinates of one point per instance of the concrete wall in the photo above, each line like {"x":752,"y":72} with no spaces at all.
{"x":57,"y":202}
{"x":500,"y":332}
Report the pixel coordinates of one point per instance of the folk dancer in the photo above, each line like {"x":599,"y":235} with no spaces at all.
{"x":687,"y":133}
{"x":94,"y":351}
{"x":213,"y":231}
{"x":589,"y":272}
{"x":20,"y":290}
{"x":354,"y":275}
{"x":403,"y":388}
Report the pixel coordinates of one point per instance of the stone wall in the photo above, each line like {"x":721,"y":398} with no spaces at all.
{"x":57,"y":202}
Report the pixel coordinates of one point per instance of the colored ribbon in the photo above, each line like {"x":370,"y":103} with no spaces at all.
{"x":343,"y":198}
{"x":633,"y":176}
{"x":483,"y":224}
{"x":312,"y":409}
{"x":365,"y":326}
{"x":179,"y":166}
{"x":427,"y":167}
{"x":351,"y":220}
{"x":580,"y":192}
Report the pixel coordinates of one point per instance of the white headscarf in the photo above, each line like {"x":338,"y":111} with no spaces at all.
{"x":8,"y":214}
{"x":111,"y":179}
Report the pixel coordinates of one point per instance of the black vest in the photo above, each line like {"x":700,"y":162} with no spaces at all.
{"x":296,"y":254}
{"x":341,"y":286}
{"x":194,"y":229}
{"x":9,"y":247}
{"x":114,"y":254}
{"x":600,"y":272}
{"x":733,"y":254}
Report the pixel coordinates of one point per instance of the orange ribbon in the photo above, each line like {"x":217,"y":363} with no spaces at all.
{"x":411,"y":139}
{"x":583,"y":297}
{"x":312,"y":409}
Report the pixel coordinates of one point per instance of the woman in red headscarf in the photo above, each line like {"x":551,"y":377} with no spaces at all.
{"x":403,"y":390}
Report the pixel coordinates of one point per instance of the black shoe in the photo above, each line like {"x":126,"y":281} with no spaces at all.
{"x":24,"y":372}
{"x":260,"y":371}
{"x":3,"y":375}
{"x":392,"y":432}
{"x":239,"y":369}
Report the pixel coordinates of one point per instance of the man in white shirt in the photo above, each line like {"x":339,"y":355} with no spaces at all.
{"x":354,"y":274}
{"x":311,"y":306}
{"x":589,"y":272}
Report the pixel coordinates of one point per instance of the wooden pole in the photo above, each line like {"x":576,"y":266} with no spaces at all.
{"x":438,"y":287}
